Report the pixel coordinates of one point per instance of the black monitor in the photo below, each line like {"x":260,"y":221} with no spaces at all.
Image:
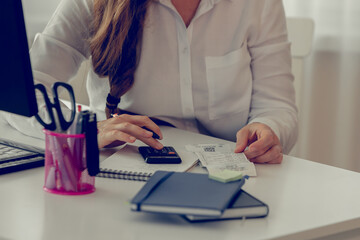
{"x":17,"y":93}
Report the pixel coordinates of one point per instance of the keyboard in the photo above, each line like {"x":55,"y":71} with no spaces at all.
{"x":17,"y":157}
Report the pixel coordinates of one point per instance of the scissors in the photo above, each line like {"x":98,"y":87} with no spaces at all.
{"x":64,"y":124}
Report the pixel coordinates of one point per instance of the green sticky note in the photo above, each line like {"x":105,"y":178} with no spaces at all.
{"x":225,"y":176}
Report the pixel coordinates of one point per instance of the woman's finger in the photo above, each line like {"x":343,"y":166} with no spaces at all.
{"x":273,"y":155}
{"x":106,"y":138}
{"x":142,"y":121}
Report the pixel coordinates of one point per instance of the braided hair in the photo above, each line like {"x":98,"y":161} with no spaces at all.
{"x":116,"y":30}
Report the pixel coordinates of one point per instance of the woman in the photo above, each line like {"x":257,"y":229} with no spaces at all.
{"x":219,"y":67}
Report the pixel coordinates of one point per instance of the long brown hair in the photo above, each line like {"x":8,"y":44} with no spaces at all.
{"x":116,"y":31}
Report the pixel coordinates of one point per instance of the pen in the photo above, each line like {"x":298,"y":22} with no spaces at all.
{"x":62,"y":178}
{"x":70,"y":169}
{"x":154,"y":134}
{"x":55,"y":156}
{"x":77,"y":144}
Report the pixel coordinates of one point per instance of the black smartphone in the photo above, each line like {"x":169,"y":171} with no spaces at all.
{"x":167,"y":155}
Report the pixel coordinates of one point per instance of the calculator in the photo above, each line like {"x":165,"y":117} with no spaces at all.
{"x":167,"y":155}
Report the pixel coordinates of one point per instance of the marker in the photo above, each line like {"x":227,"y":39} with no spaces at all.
{"x":92,"y":150}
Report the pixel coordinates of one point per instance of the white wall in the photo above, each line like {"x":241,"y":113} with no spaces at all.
{"x":37,"y":13}
{"x":331,"y":99}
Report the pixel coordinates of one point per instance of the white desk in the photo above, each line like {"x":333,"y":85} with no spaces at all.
{"x":307,"y":200}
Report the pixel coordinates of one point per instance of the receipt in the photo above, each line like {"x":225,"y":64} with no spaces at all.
{"x":218,"y":157}
{"x":209,"y":148}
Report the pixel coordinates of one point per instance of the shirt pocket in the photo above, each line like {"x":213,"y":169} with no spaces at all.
{"x":229,"y":81}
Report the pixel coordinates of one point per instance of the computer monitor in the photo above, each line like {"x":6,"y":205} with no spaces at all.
{"x":17,"y":93}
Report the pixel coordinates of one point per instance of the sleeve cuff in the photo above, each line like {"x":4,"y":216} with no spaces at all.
{"x":270,"y":124}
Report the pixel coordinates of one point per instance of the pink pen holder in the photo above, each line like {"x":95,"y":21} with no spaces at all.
{"x":65,"y":164}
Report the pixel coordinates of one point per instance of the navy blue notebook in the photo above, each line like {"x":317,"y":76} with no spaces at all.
{"x":243,"y":206}
{"x":186,"y":194}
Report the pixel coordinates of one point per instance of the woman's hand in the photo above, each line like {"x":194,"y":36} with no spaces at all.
{"x":126,"y":128}
{"x":264,"y":145}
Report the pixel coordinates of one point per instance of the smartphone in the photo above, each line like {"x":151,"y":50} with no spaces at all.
{"x":167,"y":155}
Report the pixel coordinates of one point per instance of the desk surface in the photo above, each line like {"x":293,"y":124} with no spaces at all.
{"x":307,"y":200}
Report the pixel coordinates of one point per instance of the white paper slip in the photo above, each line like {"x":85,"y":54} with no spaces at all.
{"x":230,"y":161}
{"x":209,"y":148}
{"x":218,"y":157}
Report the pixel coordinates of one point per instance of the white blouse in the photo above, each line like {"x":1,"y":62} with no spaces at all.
{"x":229,"y":67}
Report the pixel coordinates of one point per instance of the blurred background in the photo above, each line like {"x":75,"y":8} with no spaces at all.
{"x":330,"y":99}
{"x":330,"y":95}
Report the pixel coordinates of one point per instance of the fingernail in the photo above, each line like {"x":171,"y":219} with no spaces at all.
{"x":132,"y":139}
{"x":159,"y":145}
